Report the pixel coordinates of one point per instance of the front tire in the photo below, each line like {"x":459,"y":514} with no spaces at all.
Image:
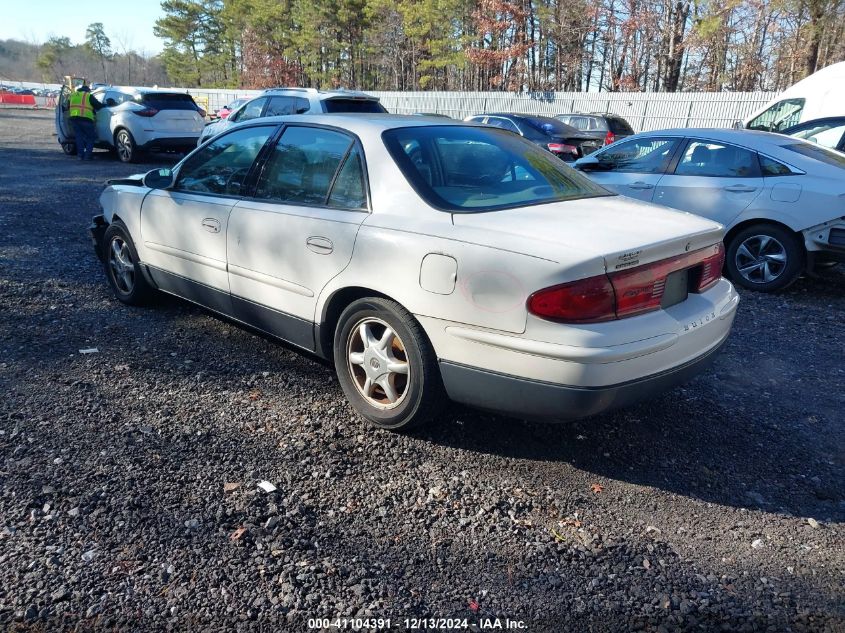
{"x":69,"y":149}
{"x":123,"y":269}
{"x":125,"y":146}
{"x":386,"y":366}
{"x":764,"y":257}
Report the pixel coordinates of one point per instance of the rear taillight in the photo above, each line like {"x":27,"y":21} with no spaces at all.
{"x":609,"y":138}
{"x":711,"y":269}
{"x":628,"y":292}
{"x":146,"y":112}
{"x":583,"y":301}
{"x":562,"y":148}
{"x":201,"y":112}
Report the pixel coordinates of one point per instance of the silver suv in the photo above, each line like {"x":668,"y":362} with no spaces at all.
{"x":282,"y":101}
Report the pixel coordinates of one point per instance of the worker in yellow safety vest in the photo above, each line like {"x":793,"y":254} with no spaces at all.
{"x":82,"y":107}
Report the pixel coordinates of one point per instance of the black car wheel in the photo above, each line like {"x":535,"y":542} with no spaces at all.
{"x":125,"y":146}
{"x":764,"y":257}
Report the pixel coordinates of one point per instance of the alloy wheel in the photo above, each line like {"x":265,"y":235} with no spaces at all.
{"x":122,"y":268}
{"x":124,"y":146}
{"x":378,"y":363}
{"x":761,"y":259}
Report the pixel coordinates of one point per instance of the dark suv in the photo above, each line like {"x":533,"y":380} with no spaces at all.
{"x":609,"y":128}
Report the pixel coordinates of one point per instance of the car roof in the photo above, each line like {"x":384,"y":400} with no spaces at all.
{"x":322,"y":94}
{"x":595,"y":115}
{"x":358,"y":123}
{"x":515,"y":115}
{"x":140,"y":91}
{"x":811,"y":122}
{"x":750,"y":138}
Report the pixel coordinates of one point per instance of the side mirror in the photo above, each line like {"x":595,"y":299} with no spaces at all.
{"x":158,"y":179}
{"x":588,"y":163}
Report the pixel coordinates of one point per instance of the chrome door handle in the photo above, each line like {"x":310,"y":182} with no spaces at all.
{"x":640,"y":185}
{"x":740,"y":189}
{"x":211,"y":224}
{"x":319,"y":245}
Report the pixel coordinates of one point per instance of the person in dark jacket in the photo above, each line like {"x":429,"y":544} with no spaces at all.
{"x":82,"y":110}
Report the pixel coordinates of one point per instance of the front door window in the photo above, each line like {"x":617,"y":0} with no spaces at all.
{"x":221,"y":166}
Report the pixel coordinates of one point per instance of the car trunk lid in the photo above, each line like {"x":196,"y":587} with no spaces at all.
{"x":623,"y":232}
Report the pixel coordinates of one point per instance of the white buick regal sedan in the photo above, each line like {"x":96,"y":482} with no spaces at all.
{"x":428,"y":260}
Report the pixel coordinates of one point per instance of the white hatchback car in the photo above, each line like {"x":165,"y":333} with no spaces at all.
{"x":782,"y":200}
{"x":427,"y":259}
{"x":135,"y":120}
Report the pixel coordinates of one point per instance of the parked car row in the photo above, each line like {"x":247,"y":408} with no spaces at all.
{"x":429,"y":260}
{"x":37,"y":92}
{"x":432,"y":260}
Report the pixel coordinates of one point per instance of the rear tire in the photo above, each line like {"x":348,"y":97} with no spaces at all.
{"x":122,"y":266}
{"x":764,"y":257}
{"x":386,"y":365}
{"x":69,"y":149}
{"x":125,"y":146}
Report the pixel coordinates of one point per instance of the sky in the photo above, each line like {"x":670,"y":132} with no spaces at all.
{"x":36,"y":20}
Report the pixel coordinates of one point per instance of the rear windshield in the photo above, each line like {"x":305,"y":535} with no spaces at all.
{"x":168,"y":101}
{"x":473,"y":169}
{"x":549,"y":126}
{"x":619,"y":126}
{"x":823,"y":154}
{"x":353,"y":105}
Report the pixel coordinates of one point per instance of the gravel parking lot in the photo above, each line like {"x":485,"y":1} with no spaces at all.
{"x":128,"y":477}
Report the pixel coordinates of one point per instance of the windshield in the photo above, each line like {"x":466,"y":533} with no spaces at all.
{"x":827,"y":156}
{"x":353,"y":105}
{"x":780,"y":116}
{"x":472,"y":169}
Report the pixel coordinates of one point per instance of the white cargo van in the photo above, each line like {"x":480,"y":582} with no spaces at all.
{"x":822,"y":94}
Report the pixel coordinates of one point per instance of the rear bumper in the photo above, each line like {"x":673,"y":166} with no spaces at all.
{"x":538,"y":400}
{"x":172,"y":143}
{"x":826,"y":242}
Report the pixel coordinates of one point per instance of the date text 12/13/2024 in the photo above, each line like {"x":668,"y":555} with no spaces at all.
{"x":417,"y":624}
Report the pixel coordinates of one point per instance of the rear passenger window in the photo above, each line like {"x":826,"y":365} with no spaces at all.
{"x":771,"y":167}
{"x":348,"y":191}
{"x":280,"y":106}
{"x":707,"y":158}
{"x":302,"y":167}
